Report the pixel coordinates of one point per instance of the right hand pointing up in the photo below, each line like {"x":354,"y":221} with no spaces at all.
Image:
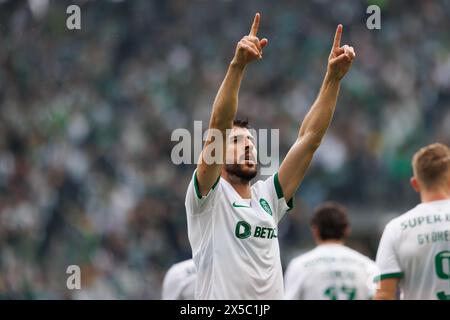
{"x":250,"y":47}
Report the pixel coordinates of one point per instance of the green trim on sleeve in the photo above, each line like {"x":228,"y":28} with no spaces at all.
{"x":290,"y":204}
{"x":388,"y":276}
{"x":197,"y":190}
{"x":279,"y":191}
{"x":278,"y":186}
{"x":215,"y":183}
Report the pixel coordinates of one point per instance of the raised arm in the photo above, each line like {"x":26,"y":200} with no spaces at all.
{"x":248,"y":49}
{"x":316,"y":122}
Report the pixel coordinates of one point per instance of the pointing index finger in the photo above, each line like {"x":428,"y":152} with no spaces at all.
{"x":255,"y":26}
{"x":337,"y":37}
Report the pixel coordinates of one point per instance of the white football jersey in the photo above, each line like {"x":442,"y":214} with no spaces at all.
{"x":179,"y":281}
{"x":415,"y":247}
{"x":234,"y":240}
{"x":330,"y":272}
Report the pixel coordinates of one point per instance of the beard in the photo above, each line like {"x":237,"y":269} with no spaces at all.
{"x":238,"y":170}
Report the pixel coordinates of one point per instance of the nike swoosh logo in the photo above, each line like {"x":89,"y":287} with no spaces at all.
{"x":239,"y":205}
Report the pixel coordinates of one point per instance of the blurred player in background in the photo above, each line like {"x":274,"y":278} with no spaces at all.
{"x":232,"y":226}
{"x":414,"y":251}
{"x":331,"y":271}
{"x":179,"y":282}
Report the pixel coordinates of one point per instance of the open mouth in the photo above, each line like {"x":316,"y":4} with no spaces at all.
{"x":249,"y":158}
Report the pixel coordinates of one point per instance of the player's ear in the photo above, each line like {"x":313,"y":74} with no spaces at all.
{"x":414,"y":184}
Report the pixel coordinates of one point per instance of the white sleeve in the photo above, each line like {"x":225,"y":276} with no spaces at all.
{"x":372,"y":272}
{"x":171,"y":290}
{"x":188,"y":291}
{"x":277,"y":198}
{"x":387,"y":261}
{"x":293,"y":281}
{"x":195,"y":202}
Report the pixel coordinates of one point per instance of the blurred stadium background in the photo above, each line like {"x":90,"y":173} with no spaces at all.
{"x":86,"y":118}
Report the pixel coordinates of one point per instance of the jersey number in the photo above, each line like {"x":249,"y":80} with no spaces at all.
{"x":439,"y":262}
{"x":332,"y":292}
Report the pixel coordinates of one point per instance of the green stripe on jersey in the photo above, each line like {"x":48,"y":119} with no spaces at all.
{"x":279,"y":191}
{"x":278,"y":186}
{"x":388,"y":276}
{"x":197,"y":190}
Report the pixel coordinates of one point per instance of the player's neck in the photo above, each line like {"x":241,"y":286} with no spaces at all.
{"x":241,"y":186}
{"x":428,"y":196}
{"x":325,"y":242}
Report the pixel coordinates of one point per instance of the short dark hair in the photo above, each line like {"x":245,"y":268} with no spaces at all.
{"x":241,"y":123}
{"x":431,"y":165}
{"x":331,"y":220}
